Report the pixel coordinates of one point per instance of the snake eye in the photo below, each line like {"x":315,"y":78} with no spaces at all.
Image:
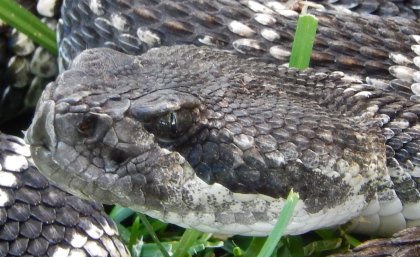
{"x":171,"y":125}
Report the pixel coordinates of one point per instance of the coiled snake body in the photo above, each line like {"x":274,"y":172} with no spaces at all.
{"x":39,"y":219}
{"x":204,"y":138}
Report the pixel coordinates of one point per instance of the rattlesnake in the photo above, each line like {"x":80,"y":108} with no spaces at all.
{"x":221,"y":174}
{"x":238,"y":133}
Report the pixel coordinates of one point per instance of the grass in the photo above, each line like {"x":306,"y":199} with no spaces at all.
{"x":148,"y":237}
{"x":151,"y":237}
{"x":24,"y":21}
{"x":158,"y":239}
{"x":283,"y":220}
{"x":303,"y":42}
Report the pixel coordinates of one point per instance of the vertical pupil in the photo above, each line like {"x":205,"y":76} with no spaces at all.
{"x":173,"y":124}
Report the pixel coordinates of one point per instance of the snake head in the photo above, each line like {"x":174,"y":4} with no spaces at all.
{"x":203,"y":139}
{"x":92,"y":136}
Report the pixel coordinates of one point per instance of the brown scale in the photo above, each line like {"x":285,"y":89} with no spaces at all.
{"x":375,"y":67}
{"x":146,"y":14}
{"x":174,"y":9}
{"x":373,"y":52}
{"x":207,"y":20}
{"x":348,"y":61}
{"x":180,"y":19}
{"x":178,"y":27}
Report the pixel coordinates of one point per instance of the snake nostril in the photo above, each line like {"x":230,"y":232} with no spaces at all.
{"x":86,"y":127}
{"x":94,"y":127}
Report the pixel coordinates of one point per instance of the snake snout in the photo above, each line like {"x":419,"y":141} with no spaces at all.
{"x":41,"y":133}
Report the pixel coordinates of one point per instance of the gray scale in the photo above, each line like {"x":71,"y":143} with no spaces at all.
{"x":36,"y":217}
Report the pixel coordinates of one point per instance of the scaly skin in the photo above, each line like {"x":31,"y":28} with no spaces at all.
{"x":218,"y":146}
{"x":358,"y":45}
{"x":402,"y":109}
{"x":39,"y":219}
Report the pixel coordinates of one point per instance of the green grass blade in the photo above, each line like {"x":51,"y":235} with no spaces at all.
{"x":137,"y":248}
{"x":303,"y":41}
{"x":350,"y":239}
{"x":151,"y":250}
{"x":135,"y":235}
{"x":188,"y":239}
{"x":153,"y":234}
{"x":125,"y":233}
{"x":157,"y":225}
{"x":327,"y":233}
{"x":278,"y":231}
{"x":119,"y":213}
{"x":295,"y":245}
{"x":237,"y":252}
{"x":255,"y":246}
{"x":321,"y":246}
{"x":24,"y":21}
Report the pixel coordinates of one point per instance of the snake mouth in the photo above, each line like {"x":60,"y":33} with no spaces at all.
{"x":42,"y":138}
{"x":43,"y":143}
